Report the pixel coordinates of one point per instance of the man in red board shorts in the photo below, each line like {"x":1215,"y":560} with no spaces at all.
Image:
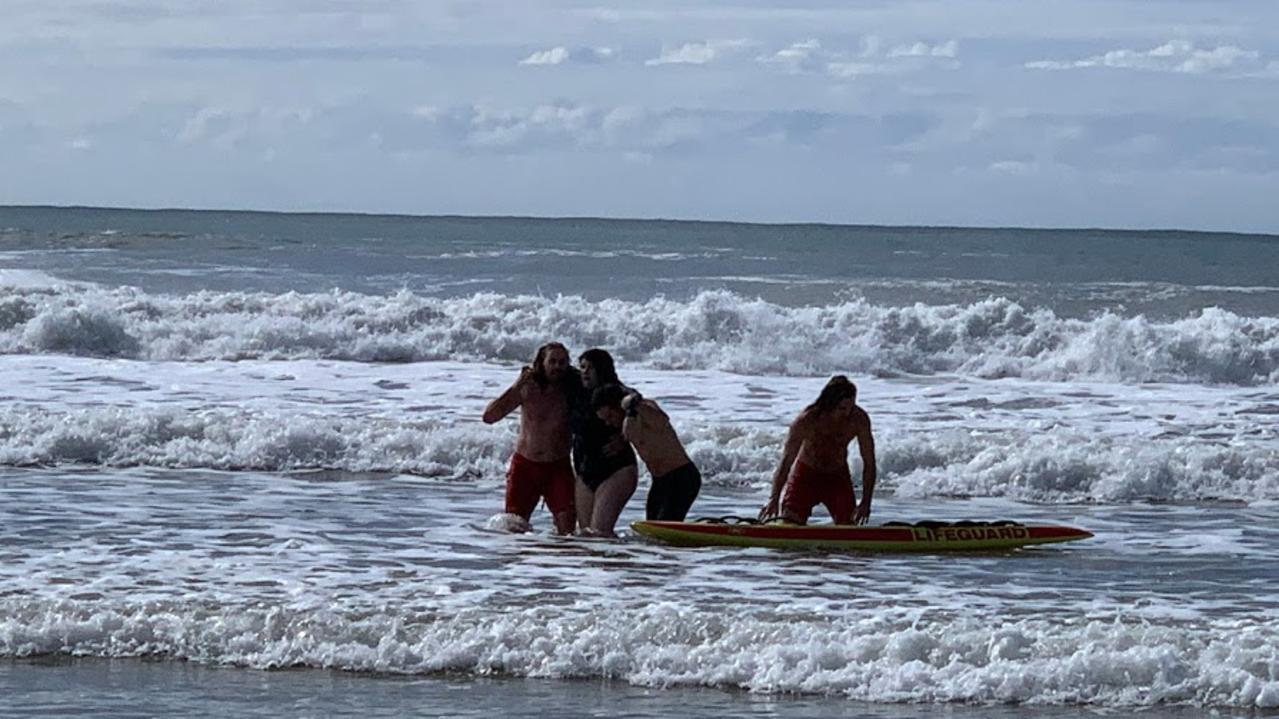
{"x":541,"y":468}
{"x":814,"y":466}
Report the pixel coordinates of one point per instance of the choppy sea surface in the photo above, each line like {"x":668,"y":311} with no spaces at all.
{"x":233,"y":443}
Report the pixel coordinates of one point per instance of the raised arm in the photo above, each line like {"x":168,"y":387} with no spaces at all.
{"x":509,"y":400}
{"x":640,"y":413}
{"x":790,"y":450}
{"x":632,"y":404}
{"x":866,"y":445}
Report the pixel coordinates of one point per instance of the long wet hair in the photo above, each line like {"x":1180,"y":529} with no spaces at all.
{"x":539,"y":366}
{"x":602,"y":362}
{"x":837,"y":389}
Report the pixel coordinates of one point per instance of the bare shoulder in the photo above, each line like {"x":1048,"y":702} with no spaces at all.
{"x":533,"y":394}
{"x":861,"y":419}
{"x":804,"y":422}
{"x":653,"y":408}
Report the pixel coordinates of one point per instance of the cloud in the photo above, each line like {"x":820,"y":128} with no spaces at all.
{"x":1178,"y":56}
{"x":397,"y":86}
{"x":205,"y":123}
{"x":375,"y":127}
{"x":697,"y":53}
{"x":871,"y":45}
{"x":1025,"y":143}
{"x":1014,"y":167}
{"x":919,"y":49}
{"x":805,"y":56}
{"x":809,"y":56}
{"x":638,"y":134}
{"x":514,"y":130}
{"x":554,"y":56}
{"x":301,"y":53}
{"x":228,"y":128}
{"x":540,"y":125}
{"x":578,"y":56}
{"x":929,"y":141}
{"x":853,"y":69}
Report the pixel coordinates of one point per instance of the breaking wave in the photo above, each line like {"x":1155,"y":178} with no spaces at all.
{"x":1062,"y":466}
{"x":714,"y":330}
{"x":889,"y":657}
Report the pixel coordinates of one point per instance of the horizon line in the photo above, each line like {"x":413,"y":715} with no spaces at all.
{"x":601,"y":218}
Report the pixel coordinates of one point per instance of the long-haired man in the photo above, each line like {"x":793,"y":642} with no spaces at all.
{"x":545,"y":393}
{"x":814,"y":467}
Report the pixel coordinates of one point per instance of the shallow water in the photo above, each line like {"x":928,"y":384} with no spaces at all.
{"x":241,"y":468}
{"x":130,"y":688}
{"x":399,"y":574}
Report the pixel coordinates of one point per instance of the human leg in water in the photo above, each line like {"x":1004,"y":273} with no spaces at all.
{"x":564,"y":522}
{"x":610,"y":498}
{"x":584,"y":504}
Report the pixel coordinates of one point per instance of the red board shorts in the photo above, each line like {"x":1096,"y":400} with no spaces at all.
{"x":808,"y":487}
{"x":528,"y":481}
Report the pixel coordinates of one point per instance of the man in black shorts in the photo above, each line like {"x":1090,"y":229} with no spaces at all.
{"x":676,"y":480}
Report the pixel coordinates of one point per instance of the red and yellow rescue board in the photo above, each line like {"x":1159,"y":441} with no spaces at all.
{"x":922,"y":537}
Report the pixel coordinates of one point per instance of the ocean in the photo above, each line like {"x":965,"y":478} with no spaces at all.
{"x":242,"y":470}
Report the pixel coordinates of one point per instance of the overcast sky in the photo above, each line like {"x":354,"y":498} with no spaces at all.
{"x":1116,"y":113}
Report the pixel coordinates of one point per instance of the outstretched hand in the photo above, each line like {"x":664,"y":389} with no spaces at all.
{"x":768,"y":511}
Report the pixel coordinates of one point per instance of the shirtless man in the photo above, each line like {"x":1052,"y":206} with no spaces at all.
{"x":676,"y":480}
{"x":540,"y":467}
{"x":817,"y":449}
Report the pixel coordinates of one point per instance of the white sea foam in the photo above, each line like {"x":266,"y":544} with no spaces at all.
{"x":1038,"y":442}
{"x":1052,"y":467}
{"x":885,"y":657}
{"x":26,"y":279}
{"x":715,"y":330}
{"x":561,"y":252}
{"x":246,"y":440}
{"x":1066,"y":466}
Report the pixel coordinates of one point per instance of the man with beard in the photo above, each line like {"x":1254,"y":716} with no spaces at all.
{"x":814,"y":466}
{"x":540,"y":468}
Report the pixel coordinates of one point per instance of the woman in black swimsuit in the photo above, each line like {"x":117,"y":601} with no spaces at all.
{"x":602,"y":459}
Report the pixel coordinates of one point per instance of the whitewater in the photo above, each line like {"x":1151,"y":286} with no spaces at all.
{"x":246,"y":442}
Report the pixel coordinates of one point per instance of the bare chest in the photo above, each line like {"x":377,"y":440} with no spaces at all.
{"x":544,"y":406}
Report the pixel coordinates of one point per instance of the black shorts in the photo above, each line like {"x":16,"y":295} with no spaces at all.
{"x":672,"y":494}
